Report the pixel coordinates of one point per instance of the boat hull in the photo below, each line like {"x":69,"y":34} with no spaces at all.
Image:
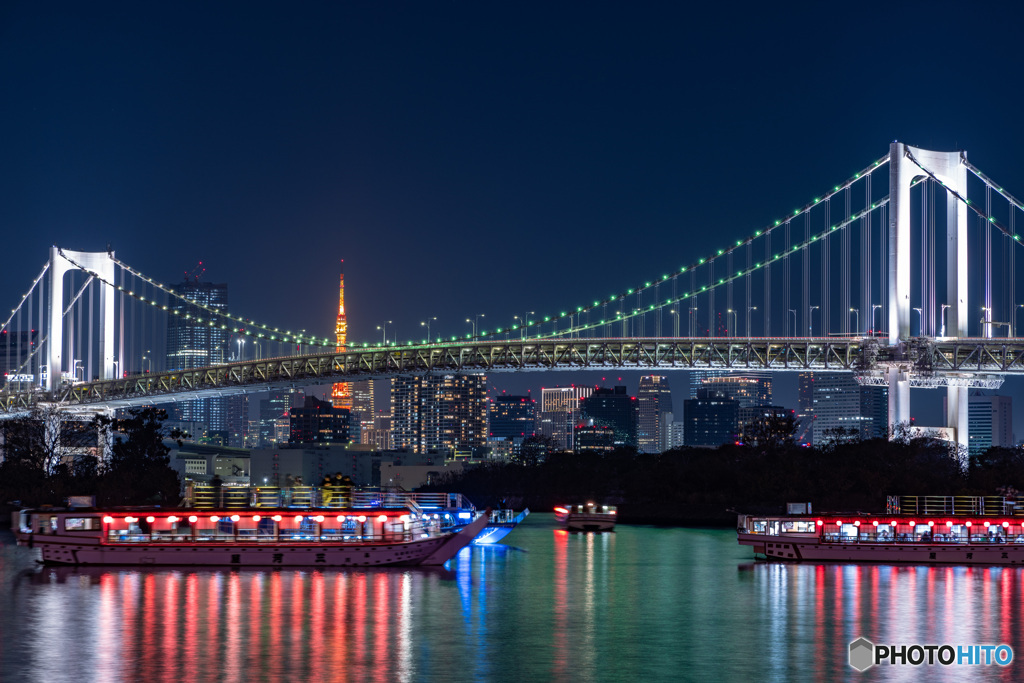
{"x":803,"y":549}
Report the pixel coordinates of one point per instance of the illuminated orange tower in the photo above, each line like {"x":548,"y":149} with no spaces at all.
{"x":341,"y":395}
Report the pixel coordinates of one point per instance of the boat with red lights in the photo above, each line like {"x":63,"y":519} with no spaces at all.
{"x":263,"y":538}
{"x":918,"y":530}
{"x":587,"y":517}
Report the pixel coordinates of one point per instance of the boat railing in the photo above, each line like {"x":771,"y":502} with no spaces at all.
{"x":209,"y":497}
{"x":976,"y":506}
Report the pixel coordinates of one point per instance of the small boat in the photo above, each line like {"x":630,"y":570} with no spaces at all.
{"x":969,"y":532}
{"x":252,"y":538}
{"x":588,"y":517}
{"x":501,"y":524}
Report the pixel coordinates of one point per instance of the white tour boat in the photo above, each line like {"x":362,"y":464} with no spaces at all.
{"x":588,"y":517}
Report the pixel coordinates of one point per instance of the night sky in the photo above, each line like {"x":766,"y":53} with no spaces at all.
{"x":467,"y":158}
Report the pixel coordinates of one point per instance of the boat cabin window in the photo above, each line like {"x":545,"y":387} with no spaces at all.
{"x":802,"y":527}
{"x":82,"y":524}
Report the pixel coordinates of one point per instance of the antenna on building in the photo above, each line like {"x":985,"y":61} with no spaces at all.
{"x":196,"y":273}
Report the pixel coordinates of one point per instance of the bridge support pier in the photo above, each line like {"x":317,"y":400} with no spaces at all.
{"x":956,"y":417}
{"x":899,"y":398}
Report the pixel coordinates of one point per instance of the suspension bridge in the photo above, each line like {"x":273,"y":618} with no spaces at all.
{"x":832,"y":286}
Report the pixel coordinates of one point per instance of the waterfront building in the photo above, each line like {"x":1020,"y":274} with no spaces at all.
{"x":560,"y":413}
{"x":318,"y":422}
{"x":613,"y":408}
{"x":654,"y":414}
{"x":712,"y":418}
{"x":193,"y":342}
{"x":439,"y":413}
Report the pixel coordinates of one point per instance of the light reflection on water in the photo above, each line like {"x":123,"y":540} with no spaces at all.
{"x":640,"y":603}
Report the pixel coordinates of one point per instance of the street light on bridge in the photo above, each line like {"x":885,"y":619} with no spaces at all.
{"x":856,"y":320}
{"x":693,"y":321}
{"x":920,"y":322}
{"x":1019,"y":306}
{"x":384,"y":331}
{"x":749,"y":309}
{"x":241,"y":343}
{"x":810,"y":320}
{"x":734,"y":323}
{"x":475,"y":321}
{"x":427,"y":325}
{"x":942,"y":319}
{"x":793,"y":311}
{"x":874,"y":307}
{"x":675,"y":320}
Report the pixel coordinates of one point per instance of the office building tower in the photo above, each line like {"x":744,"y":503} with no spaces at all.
{"x":275,"y":411}
{"x":363,"y":409}
{"x":874,"y":404}
{"x":439,"y":413}
{"x":654,"y":414}
{"x":560,"y":413}
{"x":592,"y":437}
{"x":318,"y":422}
{"x":677,"y":433}
{"x":712,"y":418}
{"x":989,"y":422}
{"x":340,"y":391}
{"x":512,"y":418}
{"x":699,"y":379}
{"x":749,"y":389}
{"x":238,"y":420}
{"x":15,"y":349}
{"x":765,"y":423}
{"x":835,"y":411}
{"x":193,"y":342}
{"x":613,"y":408}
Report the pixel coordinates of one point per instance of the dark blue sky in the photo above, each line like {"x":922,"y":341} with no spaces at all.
{"x":465,"y":157}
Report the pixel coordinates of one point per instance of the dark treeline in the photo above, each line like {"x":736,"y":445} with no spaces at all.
{"x":48,"y":458}
{"x":701,"y":486}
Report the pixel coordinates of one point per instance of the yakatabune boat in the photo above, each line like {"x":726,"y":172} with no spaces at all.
{"x":935,"y":530}
{"x":251,"y":538}
{"x":587,"y":517}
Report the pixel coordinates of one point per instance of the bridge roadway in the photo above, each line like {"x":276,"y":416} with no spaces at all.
{"x":930,"y":362}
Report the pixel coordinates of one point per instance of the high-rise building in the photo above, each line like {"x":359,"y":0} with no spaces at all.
{"x":318,"y":422}
{"x":654,"y":414}
{"x":15,"y":349}
{"x":363,"y":412}
{"x":193,"y":342}
{"x":512,"y":418}
{"x":989,"y":422}
{"x":613,"y":408}
{"x":340,"y":392}
{"x":677,"y":434}
{"x":749,"y":389}
{"x":699,"y":379}
{"x":591,"y":437}
{"x":439,"y":413}
{"x":238,"y":420}
{"x":836,"y":408}
{"x":274,"y":415}
{"x":874,"y":404}
{"x":712,"y":418}
{"x":560,"y":413}
{"x":765,"y":422}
